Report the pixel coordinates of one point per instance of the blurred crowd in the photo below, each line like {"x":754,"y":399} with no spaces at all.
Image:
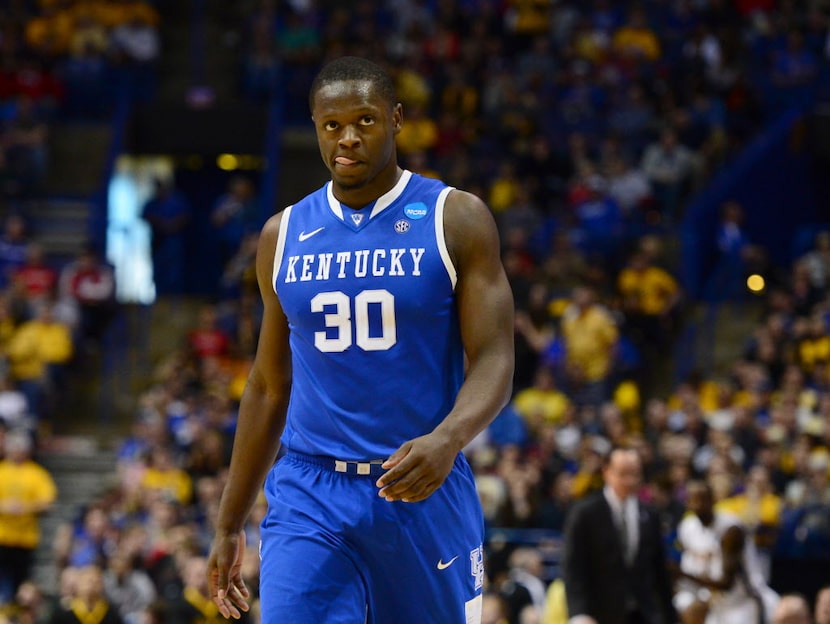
{"x":66,"y":59}
{"x":586,"y":126}
{"x":52,"y":316}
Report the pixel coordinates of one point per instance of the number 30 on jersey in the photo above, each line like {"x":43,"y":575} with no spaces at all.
{"x":354,"y":328}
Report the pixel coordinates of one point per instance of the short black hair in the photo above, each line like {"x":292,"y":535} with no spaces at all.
{"x":348,"y":68}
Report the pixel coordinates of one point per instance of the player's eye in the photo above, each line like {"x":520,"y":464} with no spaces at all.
{"x":367,"y":120}
{"x":330,"y":125}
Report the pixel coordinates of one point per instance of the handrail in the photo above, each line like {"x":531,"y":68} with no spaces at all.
{"x":514,"y":535}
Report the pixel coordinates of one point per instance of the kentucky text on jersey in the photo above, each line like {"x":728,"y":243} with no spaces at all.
{"x":396,"y":262}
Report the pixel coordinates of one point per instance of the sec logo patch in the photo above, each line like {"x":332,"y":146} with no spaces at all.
{"x":402,"y":226}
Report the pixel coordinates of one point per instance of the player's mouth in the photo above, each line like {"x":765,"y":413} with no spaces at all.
{"x":344,"y":161}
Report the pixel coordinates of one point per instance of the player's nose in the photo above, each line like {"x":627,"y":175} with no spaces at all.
{"x":350,"y":137}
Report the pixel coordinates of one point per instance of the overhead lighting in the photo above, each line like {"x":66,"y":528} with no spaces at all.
{"x":227,"y":162}
{"x":756,"y":283}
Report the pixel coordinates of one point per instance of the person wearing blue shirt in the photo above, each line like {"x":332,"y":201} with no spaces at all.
{"x":168,"y":214}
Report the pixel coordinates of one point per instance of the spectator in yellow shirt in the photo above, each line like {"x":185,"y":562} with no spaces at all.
{"x":418,"y":134}
{"x":590,"y":336}
{"x":114,"y":14}
{"x":26,"y":491}
{"x":650,"y":298}
{"x":49,"y":33}
{"x":164,"y":477}
{"x":814,"y":346}
{"x":38,"y":352}
{"x":647,"y":289}
{"x":89,"y":603}
{"x":529,"y":17}
{"x":8,"y":325}
{"x":542,"y":403}
{"x":588,"y":478}
{"x":504,"y":188}
{"x":759,"y":508}
{"x":635,"y":40}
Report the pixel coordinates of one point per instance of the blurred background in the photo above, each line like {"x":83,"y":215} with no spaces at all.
{"x":659,"y":167}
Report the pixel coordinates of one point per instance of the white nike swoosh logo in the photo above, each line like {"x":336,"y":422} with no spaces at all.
{"x":303,"y":236}
{"x":443,"y":566}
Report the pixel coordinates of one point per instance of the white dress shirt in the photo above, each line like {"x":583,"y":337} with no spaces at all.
{"x":630,"y":509}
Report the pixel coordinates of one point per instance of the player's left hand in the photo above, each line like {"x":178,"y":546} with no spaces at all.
{"x":416,"y":469}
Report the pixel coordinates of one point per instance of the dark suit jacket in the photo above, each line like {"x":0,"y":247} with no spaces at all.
{"x":597,"y":580}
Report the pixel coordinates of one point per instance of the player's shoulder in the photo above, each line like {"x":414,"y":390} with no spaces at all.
{"x":468,"y":220}
{"x":270,"y":232}
{"x":271,"y":227}
{"x":464,"y":205}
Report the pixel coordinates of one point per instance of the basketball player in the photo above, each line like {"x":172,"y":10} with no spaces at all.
{"x":721,"y":581}
{"x":386,"y":346}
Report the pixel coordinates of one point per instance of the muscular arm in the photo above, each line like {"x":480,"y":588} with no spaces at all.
{"x":261,"y":420}
{"x":485,"y":310}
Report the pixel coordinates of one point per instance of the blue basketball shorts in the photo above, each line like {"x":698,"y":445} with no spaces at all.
{"x":334,"y":552}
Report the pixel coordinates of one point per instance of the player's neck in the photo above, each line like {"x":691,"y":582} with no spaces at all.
{"x":366,"y":195}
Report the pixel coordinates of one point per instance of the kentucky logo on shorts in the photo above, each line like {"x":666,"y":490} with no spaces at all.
{"x":477,"y":565}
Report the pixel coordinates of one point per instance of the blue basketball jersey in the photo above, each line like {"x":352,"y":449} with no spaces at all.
{"x":369,"y":297}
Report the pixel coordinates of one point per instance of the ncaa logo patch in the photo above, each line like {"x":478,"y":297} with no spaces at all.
{"x":415,"y":211}
{"x":401,"y":226}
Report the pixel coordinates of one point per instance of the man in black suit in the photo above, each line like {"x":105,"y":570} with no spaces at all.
{"x":614,"y":562}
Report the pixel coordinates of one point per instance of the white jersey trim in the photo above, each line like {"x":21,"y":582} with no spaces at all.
{"x":439,"y":235}
{"x":392,"y":194}
{"x":280,"y":249}
{"x":334,"y":204}
{"x":382,"y":202}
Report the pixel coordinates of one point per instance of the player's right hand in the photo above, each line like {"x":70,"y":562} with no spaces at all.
{"x":416,"y":469}
{"x":227,"y":589}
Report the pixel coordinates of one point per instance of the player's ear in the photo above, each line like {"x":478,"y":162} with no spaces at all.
{"x":397,"y":118}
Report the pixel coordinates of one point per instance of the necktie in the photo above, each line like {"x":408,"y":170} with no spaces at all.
{"x":625,"y":536}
